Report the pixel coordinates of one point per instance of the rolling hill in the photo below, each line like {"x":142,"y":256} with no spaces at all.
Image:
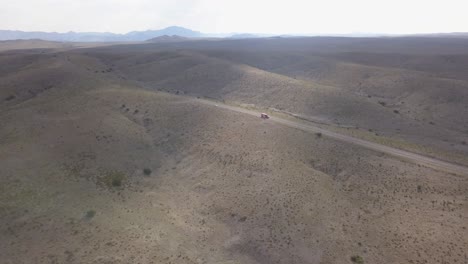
{"x":401,"y":97}
{"x":108,"y":156}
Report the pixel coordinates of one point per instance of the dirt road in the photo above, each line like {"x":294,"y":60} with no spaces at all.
{"x":409,"y":156}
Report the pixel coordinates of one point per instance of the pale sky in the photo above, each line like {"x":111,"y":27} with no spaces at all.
{"x":250,"y":16}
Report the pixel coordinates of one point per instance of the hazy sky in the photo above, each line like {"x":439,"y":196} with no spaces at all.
{"x":255,"y":16}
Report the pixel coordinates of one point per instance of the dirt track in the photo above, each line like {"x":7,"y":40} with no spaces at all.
{"x":413,"y":157}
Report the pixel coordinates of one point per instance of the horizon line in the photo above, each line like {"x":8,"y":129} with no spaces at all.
{"x":242,"y":32}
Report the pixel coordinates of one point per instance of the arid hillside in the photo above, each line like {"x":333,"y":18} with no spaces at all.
{"x":415,"y":97}
{"x":42,"y":46}
{"x":108,"y":156}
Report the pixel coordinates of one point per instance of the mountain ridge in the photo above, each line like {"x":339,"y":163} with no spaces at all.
{"x":100,"y":36}
{"x":145,"y":35}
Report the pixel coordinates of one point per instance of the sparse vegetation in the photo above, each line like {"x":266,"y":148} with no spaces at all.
{"x":90,"y":214}
{"x":10,"y":97}
{"x":357,"y":259}
{"x":112,"y":179}
{"x":147,"y":171}
{"x":116,"y":182}
{"x":271,"y":185}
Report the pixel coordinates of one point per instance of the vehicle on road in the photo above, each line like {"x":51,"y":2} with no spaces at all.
{"x":264,"y":116}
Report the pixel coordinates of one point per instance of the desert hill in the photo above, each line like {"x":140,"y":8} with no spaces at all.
{"x":167,"y":38}
{"x":421,"y":97}
{"x":32,"y":44}
{"x":107,"y":155}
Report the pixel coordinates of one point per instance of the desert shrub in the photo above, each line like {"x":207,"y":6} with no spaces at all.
{"x":9,"y":98}
{"x":357,"y":259}
{"x":463,"y":142}
{"x":116,"y":182}
{"x":147,"y":171}
{"x":382,"y":103}
{"x":318,"y":134}
{"x":112,"y":179}
{"x":90,"y":214}
{"x":396,"y":111}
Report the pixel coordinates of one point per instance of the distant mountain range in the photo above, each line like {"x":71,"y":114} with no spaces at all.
{"x":445,"y":35}
{"x":171,"y":33}
{"x":101,"y":37}
{"x":249,"y":35}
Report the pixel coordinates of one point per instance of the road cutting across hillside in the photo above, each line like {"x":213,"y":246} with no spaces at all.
{"x":406,"y":155}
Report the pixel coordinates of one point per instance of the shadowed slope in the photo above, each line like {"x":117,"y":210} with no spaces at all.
{"x":410,"y":105}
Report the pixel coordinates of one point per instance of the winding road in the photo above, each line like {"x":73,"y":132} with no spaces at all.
{"x":406,"y":155}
